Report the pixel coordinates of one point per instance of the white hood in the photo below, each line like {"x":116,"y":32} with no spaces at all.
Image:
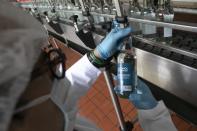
{"x":21,"y":37}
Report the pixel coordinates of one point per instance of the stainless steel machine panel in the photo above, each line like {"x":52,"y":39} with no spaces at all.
{"x":174,"y":77}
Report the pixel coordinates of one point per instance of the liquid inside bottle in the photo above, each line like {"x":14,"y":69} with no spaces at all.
{"x":168,"y":17}
{"x":165,"y":13}
{"x":135,"y":11}
{"x":94,"y":8}
{"x":147,"y":12}
{"x":127,"y":73}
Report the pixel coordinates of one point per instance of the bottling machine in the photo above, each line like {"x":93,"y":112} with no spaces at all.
{"x":164,"y":37}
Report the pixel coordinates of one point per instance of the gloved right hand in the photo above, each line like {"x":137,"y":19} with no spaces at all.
{"x":141,"y":97}
{"x":112,"y":42}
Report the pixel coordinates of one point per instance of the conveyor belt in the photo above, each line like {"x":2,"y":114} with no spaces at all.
{"x":181,"y":41}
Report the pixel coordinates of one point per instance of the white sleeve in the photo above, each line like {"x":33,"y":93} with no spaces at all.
{"x":66,"y":92}
{"x":81,"y":76}
{"x":156,"y":119}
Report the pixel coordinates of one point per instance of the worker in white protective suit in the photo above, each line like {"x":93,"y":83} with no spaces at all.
{"x":21,"y":39}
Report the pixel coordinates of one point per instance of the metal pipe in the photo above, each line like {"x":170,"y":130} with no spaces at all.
{"x":71,"y":11}
{"x":185,"y":10}
{"x":174,"y":25}
{"x":115,"y":102}
{"x":104,"y":15}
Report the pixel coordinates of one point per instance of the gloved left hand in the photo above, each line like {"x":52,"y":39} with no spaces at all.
{"x":141,"y":97}
{"x":112,"y":42}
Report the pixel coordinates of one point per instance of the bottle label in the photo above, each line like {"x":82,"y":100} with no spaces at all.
{"x":126,"y":76}
{"x":148,"y":29}
{"x":167,"y":32}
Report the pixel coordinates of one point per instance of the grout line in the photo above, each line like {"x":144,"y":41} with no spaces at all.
{"x":101,"y":110}
{"x":103,"y":94}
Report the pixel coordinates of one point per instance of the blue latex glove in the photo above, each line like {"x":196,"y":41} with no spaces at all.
{"x":142,"y":97}
{"x":112,"y":42}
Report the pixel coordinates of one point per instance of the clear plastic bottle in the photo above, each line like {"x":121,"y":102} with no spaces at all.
{"x":100,"y":10}
{"x":113,"y":8}
{"x":165,"y":13}
{"x":126,"y":72}
{"x":135,"y":11}
{"x":168,"y":17}
{"x":94,"y":8}
{"x":106,"y":9}
{"x":147,"y":12}
{"x":160,"y":17}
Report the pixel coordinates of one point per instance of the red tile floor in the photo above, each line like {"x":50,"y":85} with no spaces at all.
{"x":97,"y":105}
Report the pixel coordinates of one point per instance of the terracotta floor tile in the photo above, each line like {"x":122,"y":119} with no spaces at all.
{"x":88,"y":108}
{"x":107,"y":124}
{"x":98,"y":99}
{"x":176,"y":119}
{"x":99,"y":96}
{"x":93,"y":118}
{"x":85,"y":110}
{"x":113,"y":117}
{"x":105,"y":92}
{"x":131,"y":115}
{"x":115,"y":129}
{"x":124,"y":102}
{"x":183,"y":126}
{"x":193,"y":129}
{"x":99,"y":114}
{"x":99,"y":87}
{"x":128,"y":108}
{"x":106,"y":107}
{"x":103,"y":82}
{"x":137,"y":127}
{"x":92,"y":93}
{"x":101,"y":77}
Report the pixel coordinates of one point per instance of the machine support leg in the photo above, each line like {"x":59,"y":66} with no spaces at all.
{"x":109,"y":80}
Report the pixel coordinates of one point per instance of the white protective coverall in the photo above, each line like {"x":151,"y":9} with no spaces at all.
{"x":21,"y":39}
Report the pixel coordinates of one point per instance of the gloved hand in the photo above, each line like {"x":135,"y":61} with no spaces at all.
{"x":112,"y":42}
{"x":142,"y":97}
